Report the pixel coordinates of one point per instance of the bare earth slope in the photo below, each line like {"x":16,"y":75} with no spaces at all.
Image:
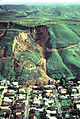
{"x":30,"y":59}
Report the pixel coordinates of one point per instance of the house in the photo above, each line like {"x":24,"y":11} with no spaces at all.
{"x":50,"y":101}
{"x":63,"y":97}
{"x":49,"y":91}
{"x":40,"y":97}
{"x":35,"y":91}
{"x":39,"y":109}
{"x":76,"y":94}
{"x":21,"y":97}
{"x":5,"y":103}
{"x":36,"y":101}
{"x":60,"y":87}
{"x":2,"y":83}
{"x":78,"y":106}
{"x":46,"y":104}
{"x":7,"y":82}
{"x":78,"y":82}
{"x":18,"y":113}
{"x":76,"y":99}
{"x":18,"y":116}
{"x":63,"y":91}
{"x":12,"y":91}
{"x":22,"y":90}
{"x":57,"y":81}
{"x":7,"y":99}
{"x":49,"y":116}
{"x":40,"y":92}
{"x":34,"y":87}
{"x":51,"y":112}
{"x":71,"y":82}
{"x":15,"y":83}
{"x":78,"y":88}
{"x":74,"y":90}
{"x":34,"y":117}
{"x":49,"y":94}
{"x":5,"y":107}
{"x":48,"y":87}
{"x":50,"y":81}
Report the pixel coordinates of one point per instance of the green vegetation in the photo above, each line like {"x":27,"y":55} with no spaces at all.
{"x":8,"y":69}
{"x":2,"y":78}
{"x":26,"y":75}
{"x":29,"y":58}
{"x":62,"y":35}
{"x":71,"y":59}
{"x":55,"y":66}
{"x":33,"y":15}
{"x":29,"y":55}
{"x":8,"y":38}
{"x":63,"y":62}
{"x":66,"y":102}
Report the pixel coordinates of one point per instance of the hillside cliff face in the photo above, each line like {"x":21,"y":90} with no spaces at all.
{"x":29,"y":59}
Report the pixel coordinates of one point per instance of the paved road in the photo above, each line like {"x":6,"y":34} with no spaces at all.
{"x":58,"y":103}
{"x":2,"y":95}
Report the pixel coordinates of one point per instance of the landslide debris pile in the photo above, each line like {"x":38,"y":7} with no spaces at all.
{"x":30,"y":64}
{"x":52,"y":50}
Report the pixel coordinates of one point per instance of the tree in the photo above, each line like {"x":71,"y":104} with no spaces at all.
{"x":24,"y":74}
{"x":8,"y":69}
{"x":2,"y":78}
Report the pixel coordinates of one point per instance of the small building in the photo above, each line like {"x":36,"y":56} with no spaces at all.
{"x":74,"y":90}
{"x":21,"y":90}
{"x":63,"y":91}
{"x":36,"y":101}
{"x":15,"y":83}
{"x":48,"y":91}
{"x":2,"y":83}
{"x":50,"y":116}
{"x":7,"y":99}
{"x":78,"y":106}
{"x":35,"y":91}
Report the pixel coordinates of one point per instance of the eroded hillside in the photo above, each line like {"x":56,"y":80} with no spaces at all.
{"x":29,"y":58}
{"x":41,"y":51}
